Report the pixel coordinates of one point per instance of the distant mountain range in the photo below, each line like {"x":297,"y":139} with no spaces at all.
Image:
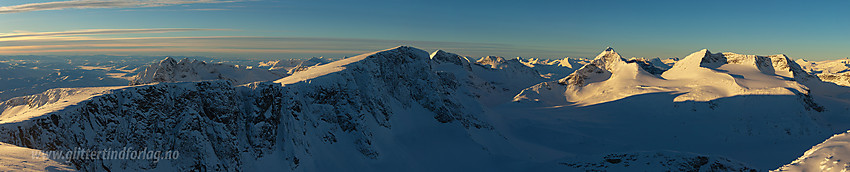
{"x":404,"y":109}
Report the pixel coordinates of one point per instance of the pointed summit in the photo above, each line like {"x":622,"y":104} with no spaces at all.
{"x":443,"y":56}
{"x":599,"y":69}
{"x":608,"y":54}
{"x":701,"y":58}
{"x":167,"y":61}
{"x":439,"y":54}
{"x":607,"y":58}
{"x":439,"y":51}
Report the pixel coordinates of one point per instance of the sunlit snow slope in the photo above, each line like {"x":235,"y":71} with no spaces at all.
{"x":14,"y":158}
{"x":762,"y":110}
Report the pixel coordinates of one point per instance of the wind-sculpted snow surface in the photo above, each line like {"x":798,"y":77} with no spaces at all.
{"x":833,"y":155}
{"x":170,"y":70}
{"x":14,"y":158}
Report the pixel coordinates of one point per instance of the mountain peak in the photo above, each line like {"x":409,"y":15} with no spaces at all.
{"x":438,"y":54}
{"x":607,"y":58}
{"x":608,"y":54}
{"x":697,"y":59}
{"x":169,"y":70}
{"x":439,"y":51}
{"x":491,"y":60}
{"x":397,"y":55}
{"x":167,"y":61}
{"x":443,"y":56}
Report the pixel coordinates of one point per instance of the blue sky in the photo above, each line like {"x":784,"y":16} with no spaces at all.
{"x":305,"y":28}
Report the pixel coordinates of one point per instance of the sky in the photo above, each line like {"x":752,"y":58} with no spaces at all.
{"x":277,"y":29}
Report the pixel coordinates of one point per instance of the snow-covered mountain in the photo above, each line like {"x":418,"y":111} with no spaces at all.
{"x":835,"y":71}
{"x":505,"y":77}
{"x":511,"y":66}
{"x":701,"y":76}
{"x":294,"y":65}
{"x":406,"y":109}
{"x":170,"y":70}
{"x":555,"y":69}
{"x":761,"y":110}
{"x":626,"y":77}
{"x":385,"y":110}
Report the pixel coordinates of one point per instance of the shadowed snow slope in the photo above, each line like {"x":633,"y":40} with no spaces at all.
{"x":169,"y":70}
{"x":655,"y":161}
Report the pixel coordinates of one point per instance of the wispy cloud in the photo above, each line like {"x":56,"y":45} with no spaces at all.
{"x":24,"y":35}
{"x":209,"y":9}
{"x":85,"y":4}
{"x":89,"y":42}
{"x":253,"y":47}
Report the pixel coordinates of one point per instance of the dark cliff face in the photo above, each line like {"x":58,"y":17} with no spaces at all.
{"x":218,"y":127}
{"x":185,"y":117}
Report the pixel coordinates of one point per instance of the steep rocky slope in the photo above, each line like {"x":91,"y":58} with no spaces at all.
{"x":383,"y":110}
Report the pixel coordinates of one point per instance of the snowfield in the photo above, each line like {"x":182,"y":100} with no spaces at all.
{"x":15,"y":158}
{"x":404,"y":109}
{"x":831,"y":155}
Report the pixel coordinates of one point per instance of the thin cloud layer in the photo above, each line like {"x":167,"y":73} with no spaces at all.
{"x":78,"y":42}
{"x":251,"y":47}
{"x":86,"y":4}
{"x":18,"y":36}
